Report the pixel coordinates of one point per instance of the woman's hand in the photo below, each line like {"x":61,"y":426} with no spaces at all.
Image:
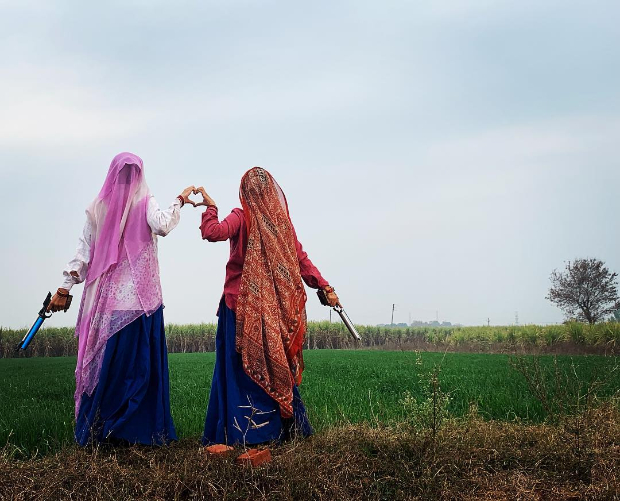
{"x":60,"y":301}
{"x":332,"y":297}
{"x":184,"y":196}
{"x":207,"y":201}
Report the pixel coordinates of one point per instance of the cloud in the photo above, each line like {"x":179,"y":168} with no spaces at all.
{"x":559,"y":144}
{"x":52,"y":107}
{"x":58,"y":106}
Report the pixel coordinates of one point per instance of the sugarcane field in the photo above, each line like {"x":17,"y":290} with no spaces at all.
{"x":323,"y":251}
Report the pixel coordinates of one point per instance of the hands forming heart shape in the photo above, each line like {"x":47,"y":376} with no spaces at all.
{"x":193,"y":202}
{"x":206,"y":199}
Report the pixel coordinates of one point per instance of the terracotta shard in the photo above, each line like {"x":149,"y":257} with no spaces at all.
{"x":255,"y":457}
{"x":218,"y":449}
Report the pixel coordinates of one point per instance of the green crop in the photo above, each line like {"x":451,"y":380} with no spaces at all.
{"x":339,"y":386}
{"x":603,"y":338}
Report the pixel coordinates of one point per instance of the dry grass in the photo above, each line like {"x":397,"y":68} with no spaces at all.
{"x":469,"y":459}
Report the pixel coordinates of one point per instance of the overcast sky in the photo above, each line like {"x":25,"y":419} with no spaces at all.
{"x":442,"y":156}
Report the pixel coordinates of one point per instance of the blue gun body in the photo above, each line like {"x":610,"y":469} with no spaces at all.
{"x":37,"y":324}
{"x":33,"y":330}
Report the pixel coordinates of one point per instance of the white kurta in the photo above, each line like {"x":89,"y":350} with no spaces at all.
{"x":161,"y":222}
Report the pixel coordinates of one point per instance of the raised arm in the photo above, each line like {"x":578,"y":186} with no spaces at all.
{"x":211,"y":228}
{"x":164,"y":221}
{"x":215,"y":231}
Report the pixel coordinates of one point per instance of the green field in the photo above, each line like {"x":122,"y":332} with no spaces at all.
{"x":339,"y":387}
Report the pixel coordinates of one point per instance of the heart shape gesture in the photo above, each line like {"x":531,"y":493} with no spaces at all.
{"x":188,"y":200}
{"x":207,"y":201}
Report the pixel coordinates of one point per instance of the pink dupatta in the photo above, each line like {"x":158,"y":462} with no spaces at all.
{"x":122,"y":282}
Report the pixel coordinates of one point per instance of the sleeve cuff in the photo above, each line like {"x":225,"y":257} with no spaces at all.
{"x":67,"y":284}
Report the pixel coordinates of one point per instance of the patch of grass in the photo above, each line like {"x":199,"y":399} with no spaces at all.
{"x":339,"y":388}
{"x":469,"y":459}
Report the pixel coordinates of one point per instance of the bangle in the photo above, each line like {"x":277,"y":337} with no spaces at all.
{"x":180,"y":199}
{"x":329,"y":289}
{"x":62,"y":293}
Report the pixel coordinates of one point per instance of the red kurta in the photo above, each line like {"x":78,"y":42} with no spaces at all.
{"x":233,"y":228}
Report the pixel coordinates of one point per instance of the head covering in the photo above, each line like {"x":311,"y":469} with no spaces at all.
{"x":271,"y":313}
{"x":122,"y":281}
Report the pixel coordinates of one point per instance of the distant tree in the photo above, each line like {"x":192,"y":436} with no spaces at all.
{"x":586,"y":290}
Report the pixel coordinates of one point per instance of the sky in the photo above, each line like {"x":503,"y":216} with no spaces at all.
{"x":441,"y":156}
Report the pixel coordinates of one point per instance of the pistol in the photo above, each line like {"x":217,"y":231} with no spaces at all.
{"x":343,"y":314}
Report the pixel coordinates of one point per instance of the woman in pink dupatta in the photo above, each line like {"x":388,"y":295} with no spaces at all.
{"x":122,"y":386}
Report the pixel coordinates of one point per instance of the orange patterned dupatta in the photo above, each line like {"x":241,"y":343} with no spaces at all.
{"x":271,"y":309}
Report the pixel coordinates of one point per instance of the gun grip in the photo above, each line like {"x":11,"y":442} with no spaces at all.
{"x":322,"y":297}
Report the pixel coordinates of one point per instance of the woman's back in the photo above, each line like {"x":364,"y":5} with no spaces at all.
{"x":234,"y":228}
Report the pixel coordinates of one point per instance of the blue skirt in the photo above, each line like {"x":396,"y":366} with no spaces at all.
{"x":131,"y":403}
{"x":239,"y":410}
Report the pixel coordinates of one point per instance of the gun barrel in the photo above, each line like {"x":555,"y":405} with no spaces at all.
{"x":30,"y":334}
{"x":37,"y":324}
{"x":347,"y":321}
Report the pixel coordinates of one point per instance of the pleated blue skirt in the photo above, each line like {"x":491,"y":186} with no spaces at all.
{"x":131,"y":403}
{"x":240,"y":411}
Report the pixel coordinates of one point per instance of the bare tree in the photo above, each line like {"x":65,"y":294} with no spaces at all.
{"x":586,"y":290}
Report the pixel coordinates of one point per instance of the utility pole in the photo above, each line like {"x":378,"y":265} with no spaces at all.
{"x":489,"y":322}
{"x":393,"y":308}
{"x":516,"y":318}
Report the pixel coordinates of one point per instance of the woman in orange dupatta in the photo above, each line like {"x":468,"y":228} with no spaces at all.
{"x":262,"y":318}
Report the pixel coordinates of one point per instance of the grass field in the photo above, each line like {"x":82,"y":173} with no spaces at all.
{"x":339,"y":387}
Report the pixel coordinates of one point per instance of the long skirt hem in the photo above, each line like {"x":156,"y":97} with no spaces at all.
{"x":240,"y":411}
{"x":131,"y":403}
